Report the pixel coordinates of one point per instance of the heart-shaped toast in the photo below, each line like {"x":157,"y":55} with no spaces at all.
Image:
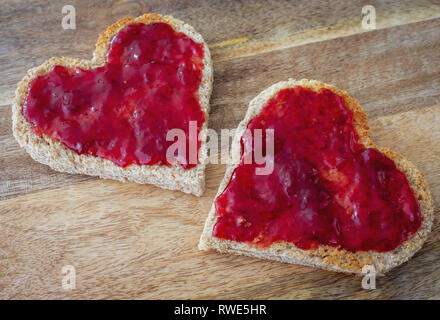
{"x":332,"y":199}
{"x":110,"y":116}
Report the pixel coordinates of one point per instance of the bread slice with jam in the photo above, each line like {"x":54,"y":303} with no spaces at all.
{"x":109,"y":116}
{"x":333,"y":199}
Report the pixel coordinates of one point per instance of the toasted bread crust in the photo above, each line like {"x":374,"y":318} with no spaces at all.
{"x":56,"y":155}
{"x":326,"y":257}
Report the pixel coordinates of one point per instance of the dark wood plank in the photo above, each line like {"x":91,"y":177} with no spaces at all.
{"x":30,"y":34}
{"x":388,"y":71}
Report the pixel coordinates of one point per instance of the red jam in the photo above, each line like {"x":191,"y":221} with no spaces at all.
{"x":123,"y":110}
{"x":326,"y":187}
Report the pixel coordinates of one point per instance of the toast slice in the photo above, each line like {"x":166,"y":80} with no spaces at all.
{"x":55,"y":154}
{"x":325,"y":256}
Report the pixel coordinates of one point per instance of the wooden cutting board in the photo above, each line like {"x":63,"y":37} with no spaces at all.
{"x":136,"y":241}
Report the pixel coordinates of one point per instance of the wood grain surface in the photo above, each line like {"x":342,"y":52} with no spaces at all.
{"x":136,"y":241}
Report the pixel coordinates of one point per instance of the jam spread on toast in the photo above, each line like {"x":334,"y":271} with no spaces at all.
{"x":326,"y":187}
{"x":123,"y":110}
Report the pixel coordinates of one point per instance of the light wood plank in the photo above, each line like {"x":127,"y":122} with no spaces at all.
{"x":131,"y":241}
